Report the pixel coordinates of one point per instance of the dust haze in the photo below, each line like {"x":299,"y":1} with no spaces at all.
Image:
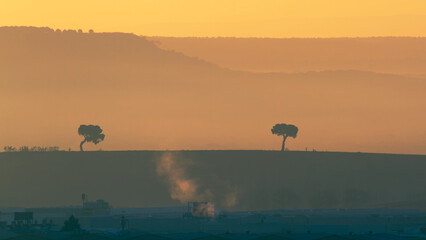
{"x":149,"y":98}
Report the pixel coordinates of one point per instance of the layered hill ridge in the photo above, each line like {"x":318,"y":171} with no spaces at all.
{"x":35,"y":52}
{"x":148,"y":98}
{"x":397,"y":55}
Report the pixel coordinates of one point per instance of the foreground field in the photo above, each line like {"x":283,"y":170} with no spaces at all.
{"x":237,"y":180}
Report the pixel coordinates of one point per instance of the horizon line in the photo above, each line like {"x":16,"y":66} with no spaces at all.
{"x":224,"y":150}
{"x":218,"y":36}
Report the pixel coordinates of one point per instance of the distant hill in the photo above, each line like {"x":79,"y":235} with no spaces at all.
{"x":238,"y":180}
{"x":43,"y":57}
{"x":148,"y":98}
{"x":397,"y":55}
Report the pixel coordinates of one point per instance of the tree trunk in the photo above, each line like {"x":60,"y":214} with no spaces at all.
{"x":81,"y":145}
{"x":283,"y":146}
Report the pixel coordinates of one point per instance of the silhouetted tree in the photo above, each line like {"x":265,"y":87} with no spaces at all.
{"x":42,"y":149}
{"x":71,"y":225}
{"x":91,"y":133}
{"x":9,"y":149}
{"x":53,"y":149}
{"x":24,"y":149}
{"x":285,"y":130}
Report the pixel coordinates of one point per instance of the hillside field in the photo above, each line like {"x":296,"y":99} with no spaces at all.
{"x":236,"y":180}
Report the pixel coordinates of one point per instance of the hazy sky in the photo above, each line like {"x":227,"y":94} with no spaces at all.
{"x":45,"y":58}
{"x":266,"y":18}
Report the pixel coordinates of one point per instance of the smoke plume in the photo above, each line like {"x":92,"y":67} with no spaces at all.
{"x":203,"y":209}
{"x":230,"y":199}
{"x":182,"y":187}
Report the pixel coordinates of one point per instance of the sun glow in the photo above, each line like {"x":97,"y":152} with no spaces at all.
{"x":248,"y":18}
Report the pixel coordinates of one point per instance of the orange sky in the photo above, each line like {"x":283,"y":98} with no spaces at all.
{"x":266,"y":18}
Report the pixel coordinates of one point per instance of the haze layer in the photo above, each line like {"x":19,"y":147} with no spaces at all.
{"x":148,"y":98}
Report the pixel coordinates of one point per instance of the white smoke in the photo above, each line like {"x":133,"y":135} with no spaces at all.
{"x":203,"y":209}
{"x":230,"y":199}
{"x":182,"y":187}
{"x":186,"y":189}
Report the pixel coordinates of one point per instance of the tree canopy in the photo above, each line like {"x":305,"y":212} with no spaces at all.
{"x":285,"y":130}
{"x":71,"y":225}
{"x":91,"y":133}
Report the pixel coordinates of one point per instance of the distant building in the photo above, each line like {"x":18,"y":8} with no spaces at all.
{"x":23,"y":218}
{"x":98,"y":207}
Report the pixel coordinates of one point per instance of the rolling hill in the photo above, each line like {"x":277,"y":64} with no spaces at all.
{"x":145,"y":97}
{"x":237,"y":180}
{"x":396,"y":55}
